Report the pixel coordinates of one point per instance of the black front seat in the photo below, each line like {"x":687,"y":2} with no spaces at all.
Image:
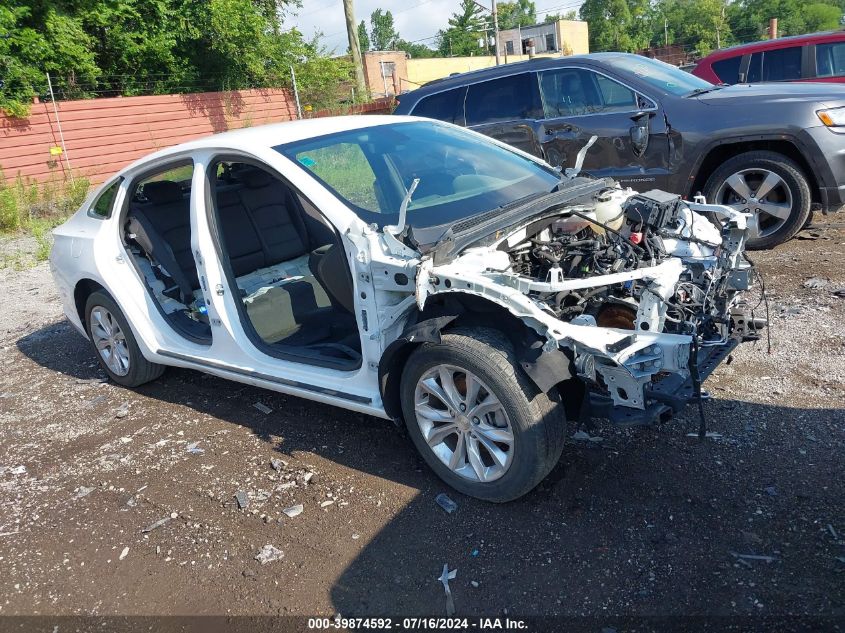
{"x":328,"y":264}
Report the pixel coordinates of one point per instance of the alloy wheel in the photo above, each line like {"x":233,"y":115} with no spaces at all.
{"x":759,"y":191}
{"x":464,"y":423}
{"x":110,"y":341}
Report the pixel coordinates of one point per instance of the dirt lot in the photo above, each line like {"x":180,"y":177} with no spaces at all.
{"x":645,"y":522}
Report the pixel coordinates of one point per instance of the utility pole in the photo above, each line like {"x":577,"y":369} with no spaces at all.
{"x":354,"y":46}
{"x":496,"y":31}
{"x":666,"y":32}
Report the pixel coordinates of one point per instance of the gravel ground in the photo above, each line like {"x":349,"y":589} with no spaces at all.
{"x":122,"y":502}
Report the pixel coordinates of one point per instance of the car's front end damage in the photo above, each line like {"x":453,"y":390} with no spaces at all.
{"x":640,"y":296}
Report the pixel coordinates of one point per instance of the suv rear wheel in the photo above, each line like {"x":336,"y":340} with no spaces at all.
{"x":476,"y":419}
{"x":770,"y":185}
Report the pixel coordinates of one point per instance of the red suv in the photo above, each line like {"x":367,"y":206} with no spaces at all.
{"x":812,"y":57}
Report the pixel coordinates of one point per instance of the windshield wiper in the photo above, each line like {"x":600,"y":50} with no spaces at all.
{"x":701,"y":91}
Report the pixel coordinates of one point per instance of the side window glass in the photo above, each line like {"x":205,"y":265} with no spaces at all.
{"x":104,"y":203}
{"x":830,"y":59}
{"x":504,"y":99}
{"x":345,"y":168}
{"x":727,"y":70}
{"x":755,"y":68}
{"x":570,"y":92}
{"x":615,"y":96}
{"x":443,"y":106}
{"x":782,"y":64}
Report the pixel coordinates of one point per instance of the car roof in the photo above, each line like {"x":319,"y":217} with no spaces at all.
{"x":274,"y":134}
{"x":779,"y":42}
{"x":483,"y":74}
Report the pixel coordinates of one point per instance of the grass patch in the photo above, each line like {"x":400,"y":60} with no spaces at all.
{"x":36,"y":208}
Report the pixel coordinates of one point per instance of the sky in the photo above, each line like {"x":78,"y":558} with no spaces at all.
{"x":413,"y":19}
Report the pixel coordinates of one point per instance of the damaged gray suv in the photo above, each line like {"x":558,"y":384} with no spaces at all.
{"x":415,"y":271}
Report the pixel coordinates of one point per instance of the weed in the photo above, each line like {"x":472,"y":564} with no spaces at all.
{"x":24,"y":202}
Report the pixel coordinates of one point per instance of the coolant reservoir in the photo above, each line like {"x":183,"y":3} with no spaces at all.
{"x":609,"y":208}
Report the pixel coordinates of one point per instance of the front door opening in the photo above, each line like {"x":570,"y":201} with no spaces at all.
{"x":288,"y":267}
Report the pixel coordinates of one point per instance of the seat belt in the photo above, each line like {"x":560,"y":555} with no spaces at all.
{"x":159,"y":250}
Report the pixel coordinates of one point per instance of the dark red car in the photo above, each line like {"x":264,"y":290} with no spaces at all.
{"x":812,"y":57}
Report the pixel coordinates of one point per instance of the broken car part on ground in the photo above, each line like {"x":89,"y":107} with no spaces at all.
{"x":411,"y":270}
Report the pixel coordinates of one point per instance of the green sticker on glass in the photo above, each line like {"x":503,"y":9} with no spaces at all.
{"x":308,"y":162}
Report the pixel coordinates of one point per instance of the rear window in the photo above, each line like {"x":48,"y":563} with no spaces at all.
{"x":504,"y":99}
{"x":780,"y":64}
{"x":727,"y":70}
{"x":444,"y":106}
{"x":830,"y":59}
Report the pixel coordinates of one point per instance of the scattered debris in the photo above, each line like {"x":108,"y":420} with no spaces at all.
{"x":122,"y":411}
{"x":832,"y":531}
{"x":474,"y":553}
{"x":583,"y":436}
{"x":711,"y":435}
{"x":355,"y":537}
{"x":293,"y":511}
{"x":474,"y":583}
{"x":193,"y":449}
{"x":98,"y":400}
{"x":446,"y":503}
{"x":771,"y":491}
{"x":123,"y":554}
{"x":838,"y":292}
{"x":307,"y":477}
{"x":156,"y":525}
{"x":327,"y":503}
{"x":269,"y":554}
{"x":91,"y":381}
{"x":83,"y":491}
{"x":767,"y":559}
{"x":445,"y":577}
{"x":242,"y":499}
{"x":18,"y":470}
{"x":263,"y":408}
{"x":9,"y":533}
{"x":816,"y":283}
{"x":278,"y":464}
{"x":285,"y":485}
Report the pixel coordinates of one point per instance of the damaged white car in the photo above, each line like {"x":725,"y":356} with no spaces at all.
{"x":411,"y":270}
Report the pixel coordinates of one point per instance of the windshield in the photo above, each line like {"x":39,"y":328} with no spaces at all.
{"x":662,"y":76}
{"x":460,"y":173}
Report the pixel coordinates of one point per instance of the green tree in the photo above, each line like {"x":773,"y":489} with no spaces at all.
{"x":699,"y":25}
{"x":382,"y":32}
{"x":466,"y":28}
{"x":820,"y":16}
{"x":555,"y":17}
{"x":414,"y":49}
{"x":617,"y":25}
{"x":363,"y":37}
{"x":517,"y":13}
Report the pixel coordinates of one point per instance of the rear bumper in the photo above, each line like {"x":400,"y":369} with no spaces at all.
{"x":666,"y":396}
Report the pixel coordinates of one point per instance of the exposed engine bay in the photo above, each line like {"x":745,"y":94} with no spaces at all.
{"x":626,"y":232}
{"x":633,"y":287}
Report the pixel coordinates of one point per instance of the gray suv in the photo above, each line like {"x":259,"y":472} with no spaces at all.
{"x":775,"y":149}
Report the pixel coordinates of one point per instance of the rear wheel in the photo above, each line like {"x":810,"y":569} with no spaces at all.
{"x":116,"y":348}
{"x":476,"y":419}
{"x":768,"y":184}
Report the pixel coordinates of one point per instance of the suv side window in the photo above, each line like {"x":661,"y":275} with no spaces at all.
{"x":727,"y":70}
{"x":574,"y":91}
{"x":103,"y":205}
{"x":830,"y":59}
{"x":504,"y":99}
{"x":780,"y":64}
{"x":444,"y":106}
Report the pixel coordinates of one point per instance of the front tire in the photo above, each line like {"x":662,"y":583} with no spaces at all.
{"x":115,"y":344}
{"x":769,"y":184}
{"x":477,"y":419}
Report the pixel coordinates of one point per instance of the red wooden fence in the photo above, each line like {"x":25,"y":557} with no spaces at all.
{"x":103,"y":135}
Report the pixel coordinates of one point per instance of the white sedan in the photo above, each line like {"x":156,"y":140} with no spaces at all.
{"x":411,"y":270}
